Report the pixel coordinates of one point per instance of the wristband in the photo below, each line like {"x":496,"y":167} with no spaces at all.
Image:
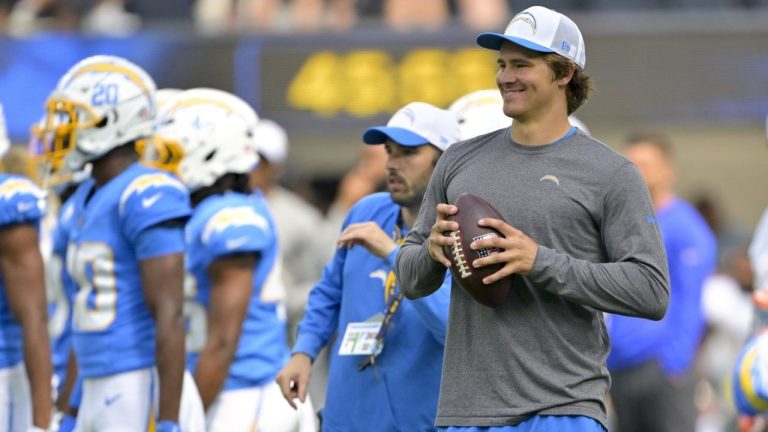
{"x":167,"y":426}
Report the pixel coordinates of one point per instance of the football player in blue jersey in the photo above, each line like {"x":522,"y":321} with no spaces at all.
{"x":125,"y":252}
{"x":25,"y":401}
{"x":386,"y":362}
{"x":60,"y":288}
{"x":236,"y":341}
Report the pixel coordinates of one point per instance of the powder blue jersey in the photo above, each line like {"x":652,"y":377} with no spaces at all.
{"x":113,"y":330}
{"x":20,"y":202}
{"x":224,"y":225}
{"x":61,"y":291}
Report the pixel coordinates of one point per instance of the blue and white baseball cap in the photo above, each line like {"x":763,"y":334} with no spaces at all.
{"x":540,"y":29}
{"x":417,"y":124}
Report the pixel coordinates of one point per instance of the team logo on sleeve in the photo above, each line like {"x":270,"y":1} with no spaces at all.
{"x":147,"y":181}
{"x":19,"y":186}
{"x":234,"y":217}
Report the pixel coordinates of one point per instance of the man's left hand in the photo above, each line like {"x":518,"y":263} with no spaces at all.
{"x":370,"y":236}
{"x":518,"y":251}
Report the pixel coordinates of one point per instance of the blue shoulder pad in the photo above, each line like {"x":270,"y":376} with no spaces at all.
{"x":21,"y":201}
{"x":236,"y":229}
{"x":150,"y":199}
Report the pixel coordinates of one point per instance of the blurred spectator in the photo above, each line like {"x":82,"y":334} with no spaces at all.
{"x":109,"y":17}
{"x":121,"y":17}
{"x":312,"y":15}
{"x":729,"y":235}
{"x":651,"y":362}
{"x":751,"y":390}
{"x":560,"y":5}
{"x":151,"y":11}
{"x":5,"y":10}
{"x":728,"y":309}
{"x":274,"y":15}
{"x":409,"y":15}
{"x":366,"y":177}
{"x":31,"y":16}
{"x":483,"y":14}
{"x":659,"y":4}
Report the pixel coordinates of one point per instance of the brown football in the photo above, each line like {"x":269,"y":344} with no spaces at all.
{"x":471,"y":209}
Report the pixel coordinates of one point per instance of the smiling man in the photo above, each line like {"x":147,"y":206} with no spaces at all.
{"x":579,"y":239}
{"x":386,"y":361}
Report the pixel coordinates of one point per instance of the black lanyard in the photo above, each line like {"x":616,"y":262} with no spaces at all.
{"x":390,"y":287}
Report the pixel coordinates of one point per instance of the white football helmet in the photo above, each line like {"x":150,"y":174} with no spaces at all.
{"x":574,"y":121}
{"x":164,"y":95}
{"x":480,"y":112}
{"x":5,"y":143}
{"x":271,"y":141}
{"x":101,"y":103}
{"x":203,"y":134}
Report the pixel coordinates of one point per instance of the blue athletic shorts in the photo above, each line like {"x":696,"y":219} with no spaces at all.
{"x":549,"y":423}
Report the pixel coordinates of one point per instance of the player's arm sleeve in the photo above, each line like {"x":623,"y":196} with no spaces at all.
{"x":635,"y":280}
{"x":238,"y":240}
{"x":321,"y":314}
{"x":26,"y":206}
{"x":159,"y":240}
{"x":417,"y":274}
{"x":251,"y":235}
{"x":156,"y":205}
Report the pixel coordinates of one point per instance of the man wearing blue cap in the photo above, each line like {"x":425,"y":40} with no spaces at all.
{"x":386,"y":361}
{"x":579,"y":238}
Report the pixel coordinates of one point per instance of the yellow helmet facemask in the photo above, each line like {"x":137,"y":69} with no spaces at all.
{"x":159,"y":152}
{"x":63,"y":119}
{"x":54,"y":137}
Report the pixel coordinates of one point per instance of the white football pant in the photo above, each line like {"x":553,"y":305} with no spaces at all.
{"x":15,"y":399}
{"x":260,"y":409}
{"x":127,"y":402}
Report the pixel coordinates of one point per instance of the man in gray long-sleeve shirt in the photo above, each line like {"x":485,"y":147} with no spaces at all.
{"x":580,"y":238}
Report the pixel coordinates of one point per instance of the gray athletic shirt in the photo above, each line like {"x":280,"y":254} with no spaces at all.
{"x":543,"y":351}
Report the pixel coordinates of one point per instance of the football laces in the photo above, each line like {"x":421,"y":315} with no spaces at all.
{"x":459,"y":259}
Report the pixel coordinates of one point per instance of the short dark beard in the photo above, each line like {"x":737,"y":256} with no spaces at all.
{"x":409,"y":202}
